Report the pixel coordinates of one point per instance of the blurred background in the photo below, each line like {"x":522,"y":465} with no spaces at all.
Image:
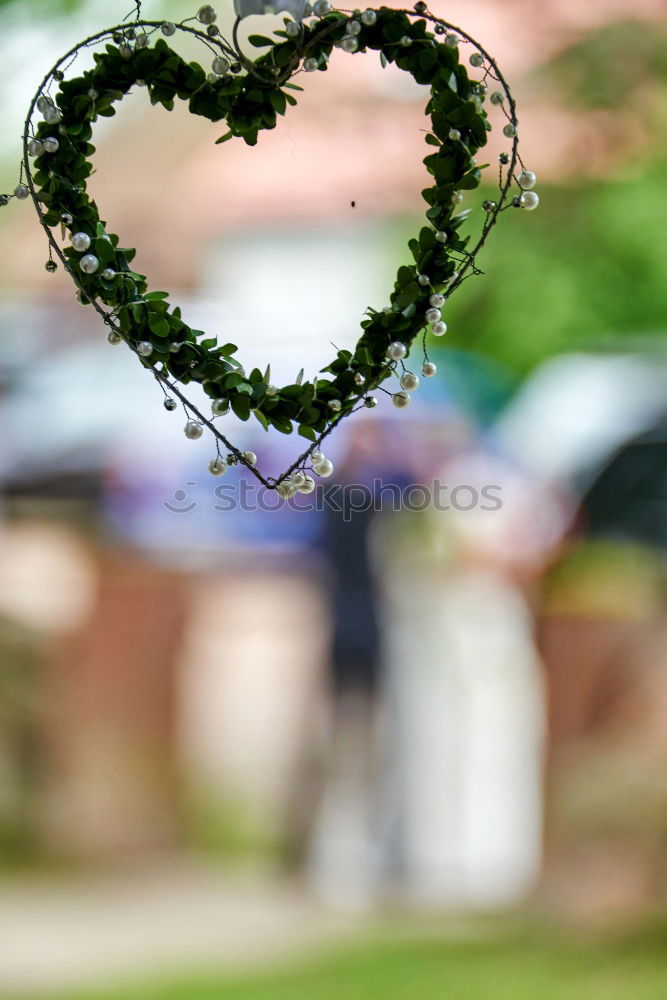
{"x":414,"y":749}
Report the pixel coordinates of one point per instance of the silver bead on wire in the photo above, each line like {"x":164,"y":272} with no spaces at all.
{"x":81,"y":242}
{"x":217,"y":466}
{"x":207,"y":14}
{"x":396,"y":351}
{"x":193,"y":430}
{"x":409,"y":381}
{"x":89,"y":263}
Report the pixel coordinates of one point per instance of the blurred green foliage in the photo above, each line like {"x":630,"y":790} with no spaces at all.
{"x":611,"y":67}
{"x":41,"y":7}
{"x":587,"y":269}
{"x":529,"y":968}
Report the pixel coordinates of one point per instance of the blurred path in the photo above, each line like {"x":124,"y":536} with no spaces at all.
{"x":66,"y":934}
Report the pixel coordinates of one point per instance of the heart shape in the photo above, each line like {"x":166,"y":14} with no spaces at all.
{"x":250,"y":102}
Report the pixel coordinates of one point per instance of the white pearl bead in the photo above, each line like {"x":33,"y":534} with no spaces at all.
{"x":334,"y":404}
{"x":409,"y":382}
{"x":193,"y":430}
{"x":141,"y":40}
{"x":285,"y":490}
{"x":441,"y":236}
{"x":308,"y":486}
{"x":114,"y":338}
{"x":310,"y":64}
{"x":439,"y":328}
{"x":206,"y":14}
{"x":175,"y":347}
{"x":221,"y":66}
{"x":44,"y":102}
{"x":396,"y":350}
{"x":406,"y":41}
{"x":89,"y":264}
{"x":429,"y":369}
{"x":217,"y":466}
{"x":369,"y":17}
{"x":432,"y":315}
{"x":527,"y":180}
{"x":219,"y":407}
{"x":212,"y":78}
{"x":292,"y":29}
{"x":509,"y":130}
{"x":359,"y":379}
{"x":451,"y":41}
{"x":529,"y":200}
{"x":81,"y":242}
{"x":437,"y":301}
{"x":271,"y":390}
{"x":454,"y":134}
{"x":108,"y":274}
{"x":423,"y":279}
{"x":145,"y":348}
{"x":477,"y":59}
{"x":168,"y":28}
{"x":250,"y":457}
{"x":35,"y":147}
{"x":53,"y":116}
{"x":349,"y":44}
{"x":298,"y":478}
{"x":400,"y":400}
{"x":316,"y":456}
{"x":50,"y":144}
{"x":457,"y":196}
{"x":324,"y":469}
{"x":497,"y":98}
{"x":353,"y":27}
{"x":321,"y":7}
{"x":21,"y":191}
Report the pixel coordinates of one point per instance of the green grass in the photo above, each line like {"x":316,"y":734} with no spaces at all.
{"x":519,"y":968}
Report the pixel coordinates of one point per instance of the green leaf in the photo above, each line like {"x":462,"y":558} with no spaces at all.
{"x":260,"y":41}
{"x":240,"y":405}
{"x":307,"y":432}
{"x":278,"y":101}
{"x":262,"y":419}
{"x":158,"y":325}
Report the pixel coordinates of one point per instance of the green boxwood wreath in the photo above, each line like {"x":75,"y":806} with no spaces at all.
{"x":247,"y":104}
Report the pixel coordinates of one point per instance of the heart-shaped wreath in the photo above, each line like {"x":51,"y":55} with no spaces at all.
{"x":249,"y":95}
